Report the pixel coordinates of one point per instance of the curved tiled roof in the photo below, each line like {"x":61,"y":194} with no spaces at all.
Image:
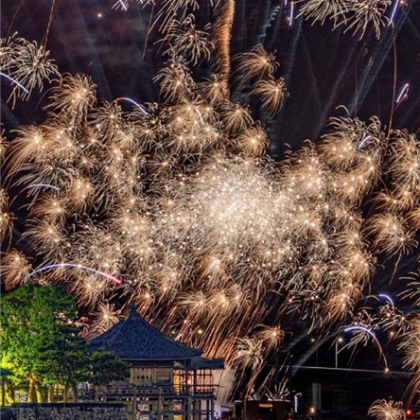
{"x":134,"y":338}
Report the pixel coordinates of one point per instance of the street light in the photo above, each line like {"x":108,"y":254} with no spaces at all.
{"x":339,"y":340}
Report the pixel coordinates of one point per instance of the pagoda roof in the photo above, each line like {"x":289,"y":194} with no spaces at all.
{"x":134,"y":338}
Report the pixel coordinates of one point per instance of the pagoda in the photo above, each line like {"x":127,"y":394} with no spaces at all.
{"x":168,"y":380}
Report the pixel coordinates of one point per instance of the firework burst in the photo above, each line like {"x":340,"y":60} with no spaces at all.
{"x":177,"y":208}
{"x":384,"y":410}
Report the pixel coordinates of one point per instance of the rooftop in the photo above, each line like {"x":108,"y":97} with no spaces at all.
{"x":134,"y":338}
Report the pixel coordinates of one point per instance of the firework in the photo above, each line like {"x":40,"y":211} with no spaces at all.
{"x":257,"y":63}
{"x":26,"y":64}
{"x":272,"y":92}
{"x":355,"y":15}
{"x":177,"y":208}
{"x":188,"y":41}
{"x":382,"y":409}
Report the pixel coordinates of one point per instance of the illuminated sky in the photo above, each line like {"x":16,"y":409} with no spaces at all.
{"x":228,"y":204}
{"x":323,"y":69}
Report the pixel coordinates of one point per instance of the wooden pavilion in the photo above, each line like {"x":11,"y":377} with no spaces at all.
{"x":168,"y":380}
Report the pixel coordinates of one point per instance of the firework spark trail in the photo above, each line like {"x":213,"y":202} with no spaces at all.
{"x":180,"y":199}
{"x":14,"y":81}
{"x":43,"y":186}
{"x":387,"y":298}
{"x":123,"y":5}
{"x":271,"y":13}
{"x":356,"y":339}
{"x":140,"y":107}
{"x":291,"y":12}
{"x":70,"y":265}
{"x":387,"y":410}
{"x":393,"y":13}
{"x":26,"y":65}
{"x":403,"y":93}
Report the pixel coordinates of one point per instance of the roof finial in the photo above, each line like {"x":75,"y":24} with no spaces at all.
{"x":133,"y":312}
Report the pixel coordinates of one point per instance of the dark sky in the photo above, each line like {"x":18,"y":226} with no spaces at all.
{"x":323,"y":68}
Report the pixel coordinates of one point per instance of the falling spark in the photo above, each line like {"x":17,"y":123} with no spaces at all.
{"x":292,"y":13}
{"x":375,"y":339}
{"x":359,"y":328}
{"x":213,"y":264}
{"x":140,"y":107}
{"x":14,"y":81}
{"x":43,"y":186}
{"x":364,"y":141}
{"x":70,"y":265}
{"x":156,"y":195}
{"x":123,"y":5}
{"x":394,"y":11}
{"x":199,"y":115}
{"x":387,"y":298}
{"x":403,"y":93}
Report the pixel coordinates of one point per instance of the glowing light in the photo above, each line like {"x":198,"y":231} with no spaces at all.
{"x":394,"y":11}
{"x":140,"y":107}
{"x":14,"y":81}
{"x":388,"y":298}
{"x":360,"y":328}
{"x":403,"y":93}
{"x":292,"y":12}
{"x":43,"y":186}
{"x":70,"y":265}
{"x":209,"y":233}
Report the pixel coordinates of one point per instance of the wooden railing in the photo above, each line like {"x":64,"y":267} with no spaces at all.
{"x":127,"y":390}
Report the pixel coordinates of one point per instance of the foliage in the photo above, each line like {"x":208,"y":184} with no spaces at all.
{"x":40,"y":339}
{"x":106,"y":366}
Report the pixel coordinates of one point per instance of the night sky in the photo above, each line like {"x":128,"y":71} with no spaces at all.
{"x":328,"y":73}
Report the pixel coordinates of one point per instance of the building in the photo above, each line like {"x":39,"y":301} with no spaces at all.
{"x":168,"y":380}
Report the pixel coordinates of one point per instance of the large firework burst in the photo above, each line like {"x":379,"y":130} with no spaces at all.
{"x":176,"y":207}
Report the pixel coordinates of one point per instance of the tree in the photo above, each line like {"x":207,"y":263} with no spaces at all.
{"x":106,"y":366}
{"x":40,"y":338}
{"x":41,"y":343}
{"x":64,"y":359}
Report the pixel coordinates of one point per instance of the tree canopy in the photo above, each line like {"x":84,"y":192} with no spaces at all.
{"x":106,"y":367}
{"x":41,"y":342}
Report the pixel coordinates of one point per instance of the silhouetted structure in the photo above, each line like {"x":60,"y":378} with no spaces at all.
{"x":168,"y":380}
